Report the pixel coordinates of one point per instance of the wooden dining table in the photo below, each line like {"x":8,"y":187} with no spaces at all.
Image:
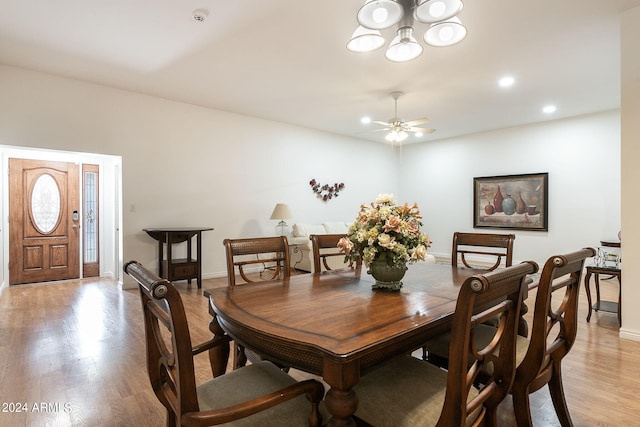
{"x":334,"y":325}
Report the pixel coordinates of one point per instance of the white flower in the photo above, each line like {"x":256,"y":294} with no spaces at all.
{"x":419,"y":253}
{"x":386,"y":241}
{"x":384,"y":198}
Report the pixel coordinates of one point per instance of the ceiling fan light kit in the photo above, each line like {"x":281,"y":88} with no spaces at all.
{"x":445,"y":28}
{"x":397,"y":129}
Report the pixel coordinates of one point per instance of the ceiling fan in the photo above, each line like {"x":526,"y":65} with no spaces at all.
{"x":397,"y":128}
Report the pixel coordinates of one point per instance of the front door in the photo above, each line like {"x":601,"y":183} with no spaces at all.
{"x":44,"y":217}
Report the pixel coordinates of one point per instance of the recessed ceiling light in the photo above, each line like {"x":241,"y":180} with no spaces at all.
{"x":548,"y":109}
{"x":365,"y":120}
{"x":418,"y":134}
{"x":506,"y":81}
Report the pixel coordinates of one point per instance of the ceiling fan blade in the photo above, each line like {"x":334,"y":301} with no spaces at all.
{"x":417,"y":122}
{"x":378,"y":122}
{"x":423,"y":130}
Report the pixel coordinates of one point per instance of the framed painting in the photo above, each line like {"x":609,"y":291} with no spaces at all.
{"x":511,"y":201}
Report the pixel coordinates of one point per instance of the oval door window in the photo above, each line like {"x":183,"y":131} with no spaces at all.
{"x":45,"y":204}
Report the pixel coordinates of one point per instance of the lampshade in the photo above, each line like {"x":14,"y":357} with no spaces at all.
{"x":380,"y":14}
{"x":404,"y":47}
{"x":445,"y":33}
{"x":430,"y":11}
{"x":281,"y":211}
{"x":365,"y":40}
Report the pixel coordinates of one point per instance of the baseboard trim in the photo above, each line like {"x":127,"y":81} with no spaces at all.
{"x":629,"y":335}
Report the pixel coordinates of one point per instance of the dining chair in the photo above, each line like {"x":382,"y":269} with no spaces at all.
{"x":325,"y":246}
{"x":272,"y":399}
{"x":488,"y":245}
{"x":249,"y":253}
{"x":409,"y":392}
{"x":553,"y":333}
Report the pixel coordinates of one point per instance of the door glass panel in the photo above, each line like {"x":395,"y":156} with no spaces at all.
{"x":45,"y":204}
{"x":90,"y":216}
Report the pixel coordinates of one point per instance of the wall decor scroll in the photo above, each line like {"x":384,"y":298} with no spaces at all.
{"x":326,"y":192}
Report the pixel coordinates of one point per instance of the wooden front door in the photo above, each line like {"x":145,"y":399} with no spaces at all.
{"x":44,"y":228}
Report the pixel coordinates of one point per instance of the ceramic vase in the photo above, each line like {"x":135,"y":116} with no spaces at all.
{"x":497,"y":200}
{"x":521,"y":205}
{"x":388,"y":277}
{"x":509,"y":205}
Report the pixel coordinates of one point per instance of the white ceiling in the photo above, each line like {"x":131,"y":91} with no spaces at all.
{"x":286,"y":60}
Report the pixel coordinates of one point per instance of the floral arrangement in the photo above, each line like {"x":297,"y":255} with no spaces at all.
{"x":326,"y":192}
{"x":386,"y":231}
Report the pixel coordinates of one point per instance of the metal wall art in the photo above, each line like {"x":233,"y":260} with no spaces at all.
{"x":326,"y":192}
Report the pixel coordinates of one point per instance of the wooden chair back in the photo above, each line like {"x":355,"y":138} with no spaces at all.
{"x":494,"y":245}
{"x":555,"y":321}
{"x":266,"y":250}
{"x":494,"y":294}
{"x":171,"y":369}
{"x":169,"y":350}
{"x":325,"y":246}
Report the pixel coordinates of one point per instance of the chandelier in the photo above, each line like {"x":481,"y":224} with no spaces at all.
{"x":445,"y":29}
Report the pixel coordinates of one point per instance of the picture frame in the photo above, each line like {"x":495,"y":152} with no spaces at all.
{"x":525,"y":198}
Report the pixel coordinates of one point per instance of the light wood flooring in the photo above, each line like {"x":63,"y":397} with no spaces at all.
{"x":72,"y":354}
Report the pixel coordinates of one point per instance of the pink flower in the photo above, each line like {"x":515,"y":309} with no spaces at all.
{"x":392,"y":224}
{"x":413,"y":227}
{"x":345,"y":245}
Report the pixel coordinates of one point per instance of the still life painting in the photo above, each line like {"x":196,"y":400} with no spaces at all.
{"x":511,"y":201}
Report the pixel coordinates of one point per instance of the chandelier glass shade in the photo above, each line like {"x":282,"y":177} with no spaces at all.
{"x":365,"y":40}
{"x":445,"y":29}
{"x":380,"y":14}
{"x":404,"y":46}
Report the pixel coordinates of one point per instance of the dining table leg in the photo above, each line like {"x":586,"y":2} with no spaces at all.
{"x":218,"y":355}
{"x":341,"y":401}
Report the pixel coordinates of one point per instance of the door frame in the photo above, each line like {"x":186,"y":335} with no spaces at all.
{"x":110,"y":199}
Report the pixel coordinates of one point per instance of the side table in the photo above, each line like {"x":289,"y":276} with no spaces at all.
{"x":181,"y":268}
{"x":294,"y":250}
{"x":600,"y":305}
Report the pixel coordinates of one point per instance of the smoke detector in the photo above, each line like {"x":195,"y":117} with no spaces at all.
{"x":200,"y":15}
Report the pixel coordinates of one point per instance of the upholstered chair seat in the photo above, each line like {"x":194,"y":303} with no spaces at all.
{"x":418,"y":395}
{"x":258,"y":380}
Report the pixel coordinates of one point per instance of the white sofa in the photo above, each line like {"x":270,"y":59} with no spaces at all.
{"x":300,"y":250}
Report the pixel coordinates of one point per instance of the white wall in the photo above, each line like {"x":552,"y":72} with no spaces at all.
{"x":630,"y":172}
{"x":185,"y":165}
{"x":581,"y":155}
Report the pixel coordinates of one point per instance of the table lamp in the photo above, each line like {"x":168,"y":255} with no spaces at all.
{"x":281,"y":212}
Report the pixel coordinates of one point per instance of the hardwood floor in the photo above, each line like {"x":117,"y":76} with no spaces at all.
{"x":73,"y":355}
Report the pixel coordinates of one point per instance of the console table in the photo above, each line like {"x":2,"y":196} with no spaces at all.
{"x":181,"y":268}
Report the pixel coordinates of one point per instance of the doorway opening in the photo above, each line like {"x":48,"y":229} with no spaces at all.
{"x":94,"y":224}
